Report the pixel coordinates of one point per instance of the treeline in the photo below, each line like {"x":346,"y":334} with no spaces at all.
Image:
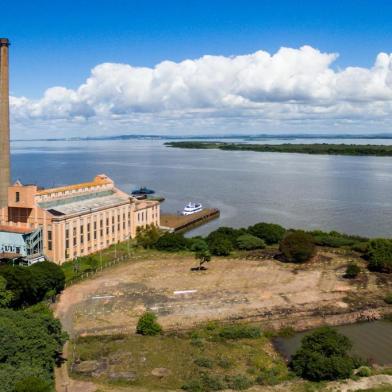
{"x":31,"y":339}
{"x":294,"y":245}
{"x":314,"y":148}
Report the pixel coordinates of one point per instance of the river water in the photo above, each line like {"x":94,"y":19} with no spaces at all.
{"x":348,"y":194}
{"x":371,"y":340}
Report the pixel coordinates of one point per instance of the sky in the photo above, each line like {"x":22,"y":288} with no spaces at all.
{"x":88,"y":68}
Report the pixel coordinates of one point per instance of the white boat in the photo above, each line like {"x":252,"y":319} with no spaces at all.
{"x":192,"y":208}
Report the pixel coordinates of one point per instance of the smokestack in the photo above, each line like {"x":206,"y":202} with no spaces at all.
{"x":4,"y":124}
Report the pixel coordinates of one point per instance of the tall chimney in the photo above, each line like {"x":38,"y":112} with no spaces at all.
{"x":4,"y":124}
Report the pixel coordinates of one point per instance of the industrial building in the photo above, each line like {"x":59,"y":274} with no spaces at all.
{"x":66,"y":222}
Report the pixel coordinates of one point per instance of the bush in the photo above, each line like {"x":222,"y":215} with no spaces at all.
{"x":269,"y":232}
{"x":171,"y":242}
{"x":364,"y":371}
{"x":47,"y":276}
{"x":269,"y":377}
{"x":204,"y":362}
{"x":33,"y":384}
{"x":323,"y":355}
{"x":249,"y":242}
{"x":379,"y":255}
{"x":148,"y":325}
{"x":229,"y":233}
{"x":388,"y":298}
{"x":147,"y":237}
{"x":239,"y":382}
{"x":298,"y":247}
{"x":240,"y":331}
{"x":220,"y":246}
{"x":352,"y":271}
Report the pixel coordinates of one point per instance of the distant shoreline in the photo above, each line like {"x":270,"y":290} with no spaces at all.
{"x":313,"y":149}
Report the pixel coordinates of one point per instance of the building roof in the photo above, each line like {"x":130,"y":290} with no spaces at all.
{"x":95,"y":202}
{"x":16,"y":229}
{"x":98,"y":180}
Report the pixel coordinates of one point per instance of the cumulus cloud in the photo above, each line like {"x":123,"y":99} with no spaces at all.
{"x":290,"y":89}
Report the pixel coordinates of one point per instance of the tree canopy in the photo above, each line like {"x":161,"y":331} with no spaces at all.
{"x":379,"y":255}
{"x":297,"y":246}
{"x":323,"y":355}
{"x":269,"y":232}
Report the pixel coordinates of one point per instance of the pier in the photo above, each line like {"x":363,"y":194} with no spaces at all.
{"x":181,"y":223}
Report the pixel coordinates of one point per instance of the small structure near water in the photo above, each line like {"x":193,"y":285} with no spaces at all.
{"x":180,"y":223}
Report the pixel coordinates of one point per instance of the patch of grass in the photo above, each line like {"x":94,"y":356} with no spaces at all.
{"x":204,"y":362}
{"x":240,"y":331}
{"x":216,"y":364}
{"x":239,"y":382}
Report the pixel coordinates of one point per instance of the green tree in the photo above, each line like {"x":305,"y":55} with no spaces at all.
{"x":20,"y":283}
{"x":203,"y":256}
{"x":229,"y":233}
{"x":171,"y":242}
{"x":47,"y":276}
{"x":297,"y":247}
{"x":220,"y":246}
{"x":31,"y":341}
{"x":379,"y":255}
{"x":5,"y":295}
{"x":250,"y":242}
{"x":148,"y":325}
{"x":323,"y":355}
{"x":269,"y":232}
{"x":148,"y":236}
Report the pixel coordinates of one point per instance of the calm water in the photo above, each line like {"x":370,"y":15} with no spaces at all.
{"x":372,"y":340}
{"x":349,"y":194}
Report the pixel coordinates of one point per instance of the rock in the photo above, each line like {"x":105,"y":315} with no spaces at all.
{"x":86,"y":367}
{"x":160,"y":372}
{"x":122,"y":376}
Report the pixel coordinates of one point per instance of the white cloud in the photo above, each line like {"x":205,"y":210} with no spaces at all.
{"x":293,"y":89}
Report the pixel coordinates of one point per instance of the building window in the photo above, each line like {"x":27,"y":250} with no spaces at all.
{"x":67,"y":244}
{"x":17,"y":197}
{"x":49,"y":240}
{"x":66,"y":233}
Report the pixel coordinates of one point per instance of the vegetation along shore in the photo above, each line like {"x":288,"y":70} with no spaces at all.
{"x":314,"y":148}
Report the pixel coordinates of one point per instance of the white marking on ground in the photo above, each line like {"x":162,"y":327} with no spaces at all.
{"x":184,"y":292}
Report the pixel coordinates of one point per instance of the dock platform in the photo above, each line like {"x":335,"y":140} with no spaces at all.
{"x":181,"y":223}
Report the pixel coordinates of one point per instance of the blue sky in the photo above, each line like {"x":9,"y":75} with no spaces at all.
{"x":57,"y":43}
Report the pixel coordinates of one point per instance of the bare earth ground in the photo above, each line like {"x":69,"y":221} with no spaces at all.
{"x":230,"y":289}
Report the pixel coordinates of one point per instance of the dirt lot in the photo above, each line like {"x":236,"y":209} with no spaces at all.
{"x":230,"y":289}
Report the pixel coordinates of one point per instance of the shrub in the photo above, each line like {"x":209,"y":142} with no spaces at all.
{"x":147,"y":237}
{"x":298,"y":247}
{"x":148,"y":325}
{"x":229,"y":233}
{"x":239,"y":382}
{"x":364,"y":371}
{"x":269,"y":232}
{"x":171,"y":242}
{"x":240,"y":331}
{"x":211,"y":382}
{"x":352,"y":271}
{"x":193,"y":386}
{"x":220,"y":246}
{"x":33,"y":384}
{"x":249,"y":242}
{"x":225,"y":363}
{"x":379,"y":255}
{"x":203,"y":362}
{"x":323,"y":355}
{"x":268,"y":377}
{"x":388,"y":298}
